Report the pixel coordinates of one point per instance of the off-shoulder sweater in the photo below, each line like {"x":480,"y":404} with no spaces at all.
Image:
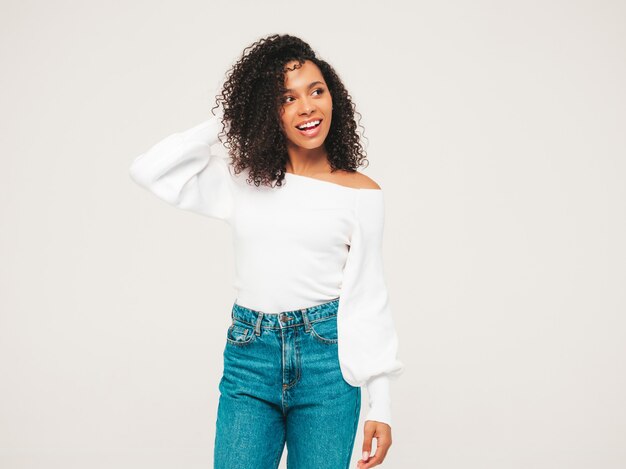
{"x":297,"y":245}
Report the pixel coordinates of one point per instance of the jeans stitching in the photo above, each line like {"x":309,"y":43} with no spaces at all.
{"x":355,"y":425}
{"x":291,"y":325}
{"x":249,"y":338}
{"x":323,"y":339}
{"x":298,"y":366}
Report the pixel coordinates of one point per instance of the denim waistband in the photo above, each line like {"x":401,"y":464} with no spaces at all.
{"x":285,"y":318}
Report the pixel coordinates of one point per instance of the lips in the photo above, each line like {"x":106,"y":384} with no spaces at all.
{"x":307,"y":122}
{"x":312,"y":131}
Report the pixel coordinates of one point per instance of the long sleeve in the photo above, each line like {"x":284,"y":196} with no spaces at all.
{"x":182,"y":171}
{"x":368,"y":342}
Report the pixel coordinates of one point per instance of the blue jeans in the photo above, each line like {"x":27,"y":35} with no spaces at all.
{"x":282,"y":384}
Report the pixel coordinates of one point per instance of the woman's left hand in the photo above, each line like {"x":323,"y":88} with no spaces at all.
{"x":382,"y":432}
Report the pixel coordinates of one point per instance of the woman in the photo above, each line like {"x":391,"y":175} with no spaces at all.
{"x":311,"y":323}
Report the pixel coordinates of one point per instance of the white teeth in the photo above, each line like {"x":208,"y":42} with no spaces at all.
{"x":309,"y":125}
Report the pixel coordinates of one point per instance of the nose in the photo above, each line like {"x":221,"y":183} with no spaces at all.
{"x":306,"y":107}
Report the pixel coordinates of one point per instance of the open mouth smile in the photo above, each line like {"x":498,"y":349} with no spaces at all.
{"x":311,"y":128}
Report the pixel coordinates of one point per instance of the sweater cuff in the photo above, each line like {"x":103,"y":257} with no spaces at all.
{"x":378,"y":391}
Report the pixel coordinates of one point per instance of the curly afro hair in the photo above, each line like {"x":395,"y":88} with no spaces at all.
{"x":251,"y":99}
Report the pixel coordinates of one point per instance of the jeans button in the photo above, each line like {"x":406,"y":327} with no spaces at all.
{"x":284,"y":318}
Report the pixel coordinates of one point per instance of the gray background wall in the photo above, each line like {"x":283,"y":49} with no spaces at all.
{"x":496,"y":130}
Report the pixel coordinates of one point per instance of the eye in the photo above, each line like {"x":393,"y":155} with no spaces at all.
{"x":321,"y":91}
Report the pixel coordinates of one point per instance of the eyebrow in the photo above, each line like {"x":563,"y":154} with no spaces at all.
{"x":309,"y":87}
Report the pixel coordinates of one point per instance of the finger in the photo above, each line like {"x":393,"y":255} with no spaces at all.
{"x":374,"y":460}
{"x":361,"y":462}
{"x":378,"y":457}
{"x":368,"y":436}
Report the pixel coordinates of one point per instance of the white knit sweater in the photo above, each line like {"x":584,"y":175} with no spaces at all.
{"x":296,"y":246}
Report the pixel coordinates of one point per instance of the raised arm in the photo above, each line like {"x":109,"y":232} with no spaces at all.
{"x":182,"y":171}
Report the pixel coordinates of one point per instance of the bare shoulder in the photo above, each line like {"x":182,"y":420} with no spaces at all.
{"x":355,"y":180}
{"x":366,"y":182}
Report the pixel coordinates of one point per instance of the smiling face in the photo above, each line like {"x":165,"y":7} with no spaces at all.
{"x":308,"y":100}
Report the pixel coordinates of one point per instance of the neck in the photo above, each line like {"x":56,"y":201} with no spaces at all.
{"x":306,"y":161}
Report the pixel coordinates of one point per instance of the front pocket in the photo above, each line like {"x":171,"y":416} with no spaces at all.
{"x":325,"y":330}
{"x":240,"y":334}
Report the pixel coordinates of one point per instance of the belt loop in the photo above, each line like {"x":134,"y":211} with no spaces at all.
{"x":307,"y":324}
{"x":257,"y":329}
